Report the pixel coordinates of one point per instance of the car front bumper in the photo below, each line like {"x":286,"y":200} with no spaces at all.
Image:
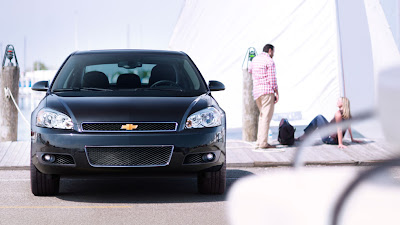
{"x":74,"y":144}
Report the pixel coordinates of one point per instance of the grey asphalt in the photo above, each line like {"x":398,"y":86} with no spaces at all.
{"x":114,"y":200}
{"x":122,"y":200}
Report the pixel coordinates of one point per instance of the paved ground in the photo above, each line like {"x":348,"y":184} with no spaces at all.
{"x":114,"y":200}
{"x":130,"y":200}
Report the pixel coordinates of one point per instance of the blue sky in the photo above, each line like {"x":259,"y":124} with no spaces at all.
{"x":49,"y":26}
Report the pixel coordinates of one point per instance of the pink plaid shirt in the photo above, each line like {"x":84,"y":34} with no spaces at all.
{"x":262,"y":69}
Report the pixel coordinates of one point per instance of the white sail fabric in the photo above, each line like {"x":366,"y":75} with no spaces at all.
{"x":356,"y":57}
{"x":216,"y":35}
{"x":385,"y":53}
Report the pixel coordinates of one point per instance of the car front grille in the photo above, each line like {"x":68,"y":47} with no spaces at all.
{"x":130,"y":127}
{"x":193,"y":159}
{"x":129,"y":156}
{"x":64,"y":159}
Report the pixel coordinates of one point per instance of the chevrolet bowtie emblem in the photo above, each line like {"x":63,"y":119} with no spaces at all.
{"x":129,"y":127}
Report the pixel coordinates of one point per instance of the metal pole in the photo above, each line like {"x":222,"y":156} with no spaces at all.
{"x":127,"y":37}
{"x":140,"y":36}
{"x":76,"y":30}
{"x":340,"y":49}
{"x":1,"y":50}
{"x":24,"y":73}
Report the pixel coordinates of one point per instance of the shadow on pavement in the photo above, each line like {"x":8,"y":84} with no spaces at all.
{"x":128,"y":189}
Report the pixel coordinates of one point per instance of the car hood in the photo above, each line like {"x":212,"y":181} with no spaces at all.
{"x":128,"y":109}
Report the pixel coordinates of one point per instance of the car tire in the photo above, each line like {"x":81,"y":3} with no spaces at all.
{"x":44,"y":184}
{"x":212,"y":182}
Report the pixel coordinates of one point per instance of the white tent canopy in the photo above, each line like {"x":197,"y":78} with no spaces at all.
{"x":216,"y":35}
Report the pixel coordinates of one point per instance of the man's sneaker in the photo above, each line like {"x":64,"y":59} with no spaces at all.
{"x":267,"y":147}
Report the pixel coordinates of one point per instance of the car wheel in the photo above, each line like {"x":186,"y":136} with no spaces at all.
{"x":44,"y":184}
{"x":212,"y":182}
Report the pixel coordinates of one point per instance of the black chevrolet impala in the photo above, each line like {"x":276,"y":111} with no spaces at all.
{"x":128,"y":111}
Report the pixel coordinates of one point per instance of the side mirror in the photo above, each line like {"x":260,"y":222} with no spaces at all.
{"x":41,"y":86}
{"x":216,"y":85}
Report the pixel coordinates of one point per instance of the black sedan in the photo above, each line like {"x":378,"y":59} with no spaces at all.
{"x":128,"y":111}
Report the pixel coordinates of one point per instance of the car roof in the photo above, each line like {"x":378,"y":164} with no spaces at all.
{"x":134,"y":51}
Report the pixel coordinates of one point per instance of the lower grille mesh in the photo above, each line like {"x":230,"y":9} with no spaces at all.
{"x":193,"y":159}
{"x":64,"y":159}
{"x":135,"y":156}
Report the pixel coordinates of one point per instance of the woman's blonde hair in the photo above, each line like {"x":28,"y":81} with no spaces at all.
{"x":345,"y":108}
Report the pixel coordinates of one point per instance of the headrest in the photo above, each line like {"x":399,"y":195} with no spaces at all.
{"x":162,"y":72}
{"x":128,"y":80}
{"x":95,"y":79}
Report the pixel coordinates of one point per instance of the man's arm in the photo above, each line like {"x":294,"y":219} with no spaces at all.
{"x":276,"y":96}
{"x":271,"y":77}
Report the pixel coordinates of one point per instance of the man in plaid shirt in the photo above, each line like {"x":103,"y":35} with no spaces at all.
{"x":265,"y":91}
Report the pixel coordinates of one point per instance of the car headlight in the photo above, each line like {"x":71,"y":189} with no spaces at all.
{"x":52,"y":119}
{"x":209,"y":117}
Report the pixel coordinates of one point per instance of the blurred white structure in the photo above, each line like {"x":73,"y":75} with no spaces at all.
{"x":308,"y":196}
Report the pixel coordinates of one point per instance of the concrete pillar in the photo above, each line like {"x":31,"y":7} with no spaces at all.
{"x":250,"y":110}
{"x":9,"y":77}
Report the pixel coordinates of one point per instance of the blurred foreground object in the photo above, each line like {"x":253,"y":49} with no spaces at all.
{"x":308,"y":196}
{"x":389,"y":104}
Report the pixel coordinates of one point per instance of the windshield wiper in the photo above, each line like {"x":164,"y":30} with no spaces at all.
{"x":95,"y":89}
{"x":66,"y":89}
{"x":82,"y":88}
{"x":163,"y":89}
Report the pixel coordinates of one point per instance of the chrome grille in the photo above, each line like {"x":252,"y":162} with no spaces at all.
{"x":129,"y":156}
{"x":141,"y":127}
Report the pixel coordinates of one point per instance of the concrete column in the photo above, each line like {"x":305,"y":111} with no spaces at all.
{"x":250,"y":110}
{"x":9,"y":77}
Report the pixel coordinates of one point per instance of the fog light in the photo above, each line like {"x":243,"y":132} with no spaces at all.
{"x":49,"y":158}
{"x":208,"y":157}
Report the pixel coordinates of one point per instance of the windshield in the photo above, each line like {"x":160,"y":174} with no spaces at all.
{"x":128,"y":74}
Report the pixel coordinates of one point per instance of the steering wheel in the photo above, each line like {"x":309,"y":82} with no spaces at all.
{"x":165,"y":83}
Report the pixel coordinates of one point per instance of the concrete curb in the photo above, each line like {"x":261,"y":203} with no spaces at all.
{"x":14,"y":168}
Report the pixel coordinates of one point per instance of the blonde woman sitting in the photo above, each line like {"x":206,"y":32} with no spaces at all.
{"x":319,"y":121}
